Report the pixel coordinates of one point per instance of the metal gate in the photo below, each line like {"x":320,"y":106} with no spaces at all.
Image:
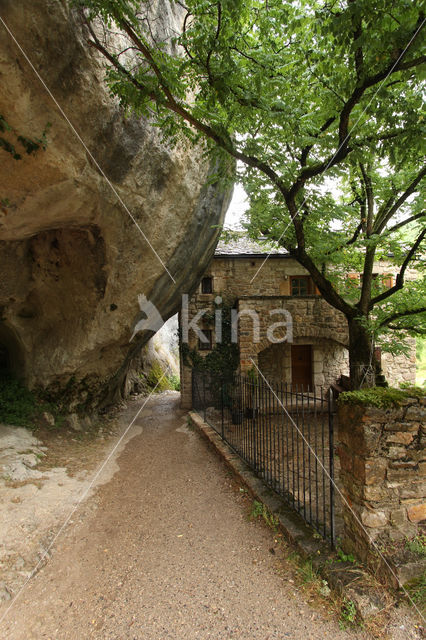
{"x":283,"y":432}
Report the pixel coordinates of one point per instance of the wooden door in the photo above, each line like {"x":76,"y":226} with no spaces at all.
{"x":301,"y":365}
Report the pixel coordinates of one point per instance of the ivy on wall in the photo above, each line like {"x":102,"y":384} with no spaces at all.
{"x":224,"y":358}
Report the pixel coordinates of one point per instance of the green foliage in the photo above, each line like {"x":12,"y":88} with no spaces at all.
{"x":174,"y":382}
{"x":224,"y":358}
{"x":17,"y":404}
{"x":417,"y":544}
{"x":416,"y":590}
{"x":307,"y":572}
{"x":260,"y":510}
{"x":157,"y":379}
{"x":345,"y":557}
{"x":161,"y":381}
{"x":29,"y":145}
{"x":321,"y":104}
{"x":21,"y":407}
{"x":347,"y":613}
{"x":421,"y":361}
{"x":380,"y":397}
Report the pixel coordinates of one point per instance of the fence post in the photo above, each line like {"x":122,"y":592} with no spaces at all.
{"x":222,"y":400}
{"x":204,"y":394}
{"x":331,"y":447}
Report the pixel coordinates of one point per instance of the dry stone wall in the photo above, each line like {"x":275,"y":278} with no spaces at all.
{"x":383,"y":472}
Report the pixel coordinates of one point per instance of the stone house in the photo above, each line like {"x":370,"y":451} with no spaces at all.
{"x":315,"y":349}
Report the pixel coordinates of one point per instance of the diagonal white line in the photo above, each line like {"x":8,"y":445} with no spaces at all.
{"x":89,"y":153}
{"x":346,"y":138}
{"x":371,"y":541}
{"x":79,"y":501}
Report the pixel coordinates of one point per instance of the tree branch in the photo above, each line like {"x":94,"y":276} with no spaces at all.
{"x":401,"y":314}
{"x":169,"y":101}
{"x":400,"y":277}
{"x":383,"y":217}
{"x":404,"y":222}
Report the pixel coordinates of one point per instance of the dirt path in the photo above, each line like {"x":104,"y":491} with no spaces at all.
{"x":163,"y":550}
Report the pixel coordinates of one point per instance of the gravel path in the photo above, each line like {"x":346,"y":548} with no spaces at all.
{"x":164,"y":550}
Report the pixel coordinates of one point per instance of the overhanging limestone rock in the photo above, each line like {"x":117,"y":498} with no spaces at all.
{"x":72,"y":262}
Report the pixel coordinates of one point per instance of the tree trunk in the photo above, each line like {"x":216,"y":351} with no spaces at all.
{"x":361,"y":354}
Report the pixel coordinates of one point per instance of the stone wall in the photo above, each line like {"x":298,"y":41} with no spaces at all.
{"x":329,"y":361}
{"x":383,"y":472}
{"x":314,"y":322}
{"x":400,"y":368}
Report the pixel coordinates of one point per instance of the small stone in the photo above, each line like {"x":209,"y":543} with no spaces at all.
{"x":416,"y":413}
{"x":417,"y":513}
{"x":401,"y":438}
{"x":396,"y":452}
{"x":72,"y":422}
{"x":47,"y":420}
{"x":374,"y":519}
{"x":402,"y":464}
{"x":414,"y":490}
{"x":398,"y":516}
{"x":4,"y":592}
{"x":86,"y":423}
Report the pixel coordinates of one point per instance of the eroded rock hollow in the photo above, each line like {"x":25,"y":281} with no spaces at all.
{"x":72,"y":260}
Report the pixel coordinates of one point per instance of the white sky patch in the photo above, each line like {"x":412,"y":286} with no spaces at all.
{"x":238,"y":205}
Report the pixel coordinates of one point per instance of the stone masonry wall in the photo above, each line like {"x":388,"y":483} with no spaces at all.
{"x":315,"y":322}
{"x":329,"y":361}
{"x":313,"y":319}
{"x":400,"y":368}
{"x":383,"y":472}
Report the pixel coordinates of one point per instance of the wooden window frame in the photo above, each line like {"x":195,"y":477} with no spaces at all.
{"x":207,"y":285}
{"x":309,"y":287}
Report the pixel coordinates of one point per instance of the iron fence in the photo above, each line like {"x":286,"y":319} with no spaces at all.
{"x":283,"y":432}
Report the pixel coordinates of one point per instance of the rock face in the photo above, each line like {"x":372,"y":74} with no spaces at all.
{"x":72,"y":259}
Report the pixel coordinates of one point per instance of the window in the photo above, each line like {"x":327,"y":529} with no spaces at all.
{"x":387,"y":281}
{"x":207,"y":285}
{"x":301,"y":286}
{"x":206,"y":346}
{"x":381,"y":281}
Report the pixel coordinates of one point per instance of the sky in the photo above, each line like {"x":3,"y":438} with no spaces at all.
{"x":236,"y":208}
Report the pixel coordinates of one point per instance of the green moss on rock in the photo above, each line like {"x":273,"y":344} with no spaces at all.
{"x":380,"y":397}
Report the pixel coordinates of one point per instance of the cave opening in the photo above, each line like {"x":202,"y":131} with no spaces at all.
{"x":4,"y":360}
{"x":11,"y":353}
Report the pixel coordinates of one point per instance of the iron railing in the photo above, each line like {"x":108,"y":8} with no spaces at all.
{"x":283,"y":432}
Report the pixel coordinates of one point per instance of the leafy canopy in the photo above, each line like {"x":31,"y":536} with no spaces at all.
{"x":319,"y":102}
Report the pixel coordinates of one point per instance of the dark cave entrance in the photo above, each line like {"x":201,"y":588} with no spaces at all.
{"x":11,"y":354}
{"x":4,"y":360}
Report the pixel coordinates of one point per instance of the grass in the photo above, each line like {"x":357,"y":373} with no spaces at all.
{"x":417,"y":544}
{"x":21,"y":407}
{"x":416,"y":589}
{"x":259,"y":510}
{"x":347,"y":613}
{"x":160,"y":381}
{"x":18,"y":405}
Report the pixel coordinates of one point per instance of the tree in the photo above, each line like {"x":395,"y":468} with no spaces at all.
{"x":318,"y":101}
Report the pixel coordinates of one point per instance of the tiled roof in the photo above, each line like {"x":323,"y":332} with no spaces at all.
{"x":244,"y":246}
